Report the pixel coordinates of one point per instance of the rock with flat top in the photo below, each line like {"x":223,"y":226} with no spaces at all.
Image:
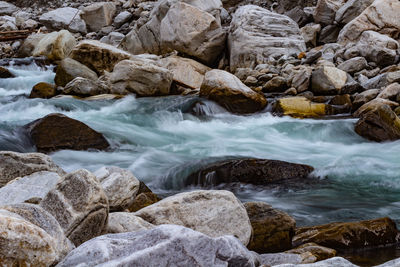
{"x":98,"y":15}
{"x":64,"y":18}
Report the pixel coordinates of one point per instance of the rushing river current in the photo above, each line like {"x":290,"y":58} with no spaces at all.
{"x":161,"y":140}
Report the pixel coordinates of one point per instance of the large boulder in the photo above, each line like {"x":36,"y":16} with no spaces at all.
{"x":325,"y":11}
{"x":64,"y":18}
{"x":123,"y":222}
{"x":69,"y":69}
{"x":98,"y":56}
{"x":32,"y":187}
{"x":301,"y":107}
{"x":24,"y":243}
{"x":56,"y":131}
{"x":55,"y":45}
{"x":79,"y":204}
{"x":257,"y":34}
{"x":187,"y":72}
{"x":36,"y":215}
{"x":85,"y":87}
{"x":380,"y":124}
{"x":381,"y":16}
{"x":214,"y":213}
{"x":228,"y":91}
{"x":251,"y":171}
{"x":141,"y":76}
{"x":98,"y":15}
{"x":351,"y":235}
{"x":273,"y":229}
{"x":119,"y":185}
{"x":190,"y":27}
{"x":171,"y":245}
{"x":29,"y":44}
{"x":7,"y":8}
{"x":13,"y":165}
{"x":43,"y":90}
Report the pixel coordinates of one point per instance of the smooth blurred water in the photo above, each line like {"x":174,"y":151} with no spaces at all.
{"x":161,"y":142}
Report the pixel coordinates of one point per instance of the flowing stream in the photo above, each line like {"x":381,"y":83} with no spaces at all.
{"x":161,"y":140}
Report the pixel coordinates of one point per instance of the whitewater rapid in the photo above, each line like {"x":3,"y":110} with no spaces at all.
{"x":161,"y":140}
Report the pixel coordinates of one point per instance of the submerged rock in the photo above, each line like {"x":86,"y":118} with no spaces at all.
{"x":43,"y":90}
{"x":272,"y":229}
{"x":257,"y":34}
{"x":27,"y":188}
{"x":119,"y":185}
{"x":56,"y":131}
{"x":79,"y":204}
{"x":167,"y":244}
{"x":250,"y":171}
{"x":13,"y":165}
{"x":228,"y":91}
{"x":351,"y":235}
{"x":214,"y":213}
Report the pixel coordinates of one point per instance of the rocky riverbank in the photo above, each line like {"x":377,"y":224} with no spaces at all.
{"x":304,"y":59}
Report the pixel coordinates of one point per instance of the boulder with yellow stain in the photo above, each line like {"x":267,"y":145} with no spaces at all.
{"x":55,"y":45}
{"x":301,"y":107}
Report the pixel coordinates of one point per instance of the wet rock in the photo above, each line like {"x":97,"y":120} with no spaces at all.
{"x":80,"y":205}
{"x":141,"y":76}
{"x":381,"y":16}
{"x":350,"y":10}
{"x":64,"y":18}
{"x":34,"y":214}
{"x":353,"y":65}
{"x":320,"y":252}
{"x":69,"y":69}
{"x":174,"y":244}
{"x":56,"y":131}
{"x":98,"y":56}
{"x":55,"y":45}
{"x":275,"y":259}
{"x":123,"y":222}
{"x":187,"y":72}
{"x":120,"y":186}
{"x":380,"y":124}
{"x":7,"y":8}
{"x":192,"y":28}
{"x":43,"y":90}
{"x":24,"y":243}
{"x":301,"y":107}
{"x":351,"y":235}
{"x":5,"y":73}
{"x":273,"y":229}
{"x":257,"y":34}
{"x":325,"y":11}
{"x":228,"y":91}
{"x":13,"y":165}
{"x":374,"y":104}
{"x":364,"y":97}
{"x":85,"y":87}
{"x":213,"y":212}
{"x":98,"y":15}
{"x":22,"y":189}
{"x":250,"y":171}
{"x":336,"y":261}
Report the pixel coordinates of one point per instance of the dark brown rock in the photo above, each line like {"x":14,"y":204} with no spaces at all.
{"x":5,"y":73}
{"x":251,"y":171}
{"x":380,"y":124}
{"x":143,"y":200}
{"x":43,"y":90}
{"x":350,"y":235}
{"x":276,"y":84}
{"x":56,"y":131}
{"x":273,"y":229}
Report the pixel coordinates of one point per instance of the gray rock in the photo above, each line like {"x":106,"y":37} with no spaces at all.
{"x":64,"y":18}
{"x":122,"y":18}
{"x":214,"y":213}
{"x":141,"y":76}
{"x":41,"y":218}
{"x":275,"y":259}
{"x":120,"y":186}
{"x":336,"y":261}
{"x":7,"y":8}
{"x":113,"y":38}
{"x":227,"y":90}
{"x":8,"y":26}
{"x":325,"y":11}
{"x":353,"y":65}
{"x":350,"y":10}
{"x":36,"y":185}
{"x":170,"y":245}
{"x":69,"y":69}
{"x":79,"y":204}
{"x":391,"y":92}
{"x":310,"y":33}
{"x":328,"y":80}
{"x":85,"y":87}
{"x":365,"y":97}
{"x":257,"y":34}
{"x":392,"y":263}
{"x":329,"y":34}
{"x":13,"y":165}
{"x":98,"y":15}
{"x":123,"y":222}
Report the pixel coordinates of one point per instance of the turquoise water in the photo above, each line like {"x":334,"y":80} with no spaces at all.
{"x":161,"y":140}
